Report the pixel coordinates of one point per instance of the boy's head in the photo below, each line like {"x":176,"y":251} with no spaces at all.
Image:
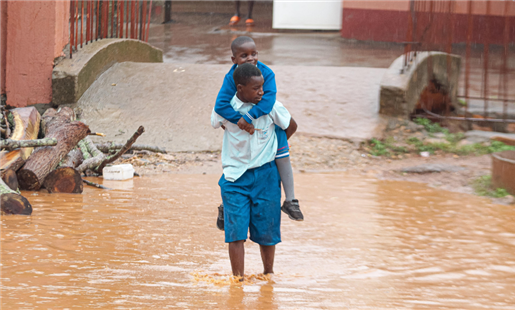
{"x":244,"y":51}
{"x":249,"y":83}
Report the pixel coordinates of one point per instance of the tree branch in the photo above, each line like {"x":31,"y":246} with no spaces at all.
{"x":15,"y":144}
{"x":124,"y":149}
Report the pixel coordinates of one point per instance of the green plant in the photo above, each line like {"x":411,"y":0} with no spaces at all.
{"x":421,"y":147}
{"x":480,"y":149}
{"x":386,"y":148}
{"x":378,"y":148}
{"x":430,"y":126}
{"x":483,"y":187}
{"x":462,"y":102}
{"x":454,"y":137}
{"x":498,"y":146}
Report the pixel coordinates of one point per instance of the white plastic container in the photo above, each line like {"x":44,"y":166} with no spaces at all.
{"x":118,"y":172}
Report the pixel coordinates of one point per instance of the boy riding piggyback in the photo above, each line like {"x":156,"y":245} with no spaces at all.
{"x":244,"y":51}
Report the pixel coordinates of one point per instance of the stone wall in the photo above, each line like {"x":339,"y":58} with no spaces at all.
{"x":72,"y":77}
{"x":401,"y":89}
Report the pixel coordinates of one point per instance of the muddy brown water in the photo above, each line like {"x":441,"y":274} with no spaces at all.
{"x":365,"y":244}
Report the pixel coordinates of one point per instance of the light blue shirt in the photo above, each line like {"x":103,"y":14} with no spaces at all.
{"x":242,"y":151}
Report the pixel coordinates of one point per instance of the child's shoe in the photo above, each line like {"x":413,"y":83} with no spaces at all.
{"x":220,"y":219}
{"x":292,"y":208}
{"x":234,"y":20}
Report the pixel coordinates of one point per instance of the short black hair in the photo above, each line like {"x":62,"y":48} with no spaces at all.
{"x":244,"y":73}
{"x":239,"y":41}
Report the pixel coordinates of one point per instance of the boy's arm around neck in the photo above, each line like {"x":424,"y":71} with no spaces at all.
{"x":223,"y":105}
{"x":267,"y":102}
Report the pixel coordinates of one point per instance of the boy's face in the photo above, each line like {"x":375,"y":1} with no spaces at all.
{"x":245,"y":53}
{"x":253,"y":91}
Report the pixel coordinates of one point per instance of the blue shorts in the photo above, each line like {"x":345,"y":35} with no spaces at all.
{"x":283,"y":149}
{"x":253,"y":203}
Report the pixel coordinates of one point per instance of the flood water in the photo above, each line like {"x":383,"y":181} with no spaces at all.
{"x":365,"y":244}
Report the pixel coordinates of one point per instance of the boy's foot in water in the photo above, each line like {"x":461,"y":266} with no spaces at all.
{"x":292,"y":208}
{"x":220,"y":219}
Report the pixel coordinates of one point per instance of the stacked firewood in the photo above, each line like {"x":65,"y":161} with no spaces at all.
{"x":49,"y":152}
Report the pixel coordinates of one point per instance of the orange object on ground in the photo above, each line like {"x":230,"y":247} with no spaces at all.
{"x":234,"y":20}
{"x":249,"y":22}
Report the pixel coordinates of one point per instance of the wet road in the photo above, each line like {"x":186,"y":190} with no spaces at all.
{"x":365,"y":244}
{"x":198,"y":36}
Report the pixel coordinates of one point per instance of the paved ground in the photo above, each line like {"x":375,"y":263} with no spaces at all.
{"x":174,"y":102}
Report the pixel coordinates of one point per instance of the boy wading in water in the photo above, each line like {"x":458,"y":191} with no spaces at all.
{"x":244,"y":51}
{"x":250,"y":185}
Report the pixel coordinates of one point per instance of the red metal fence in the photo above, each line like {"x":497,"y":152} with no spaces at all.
{"x":434,"y":25}
{"x":91,"y":20}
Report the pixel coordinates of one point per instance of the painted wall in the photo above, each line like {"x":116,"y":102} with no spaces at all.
{"x":62,"y":17}
{"x":461,"y":7}
{"x":3,"y":41}
{"x":388,"y":20}
{"x":37,"y":32}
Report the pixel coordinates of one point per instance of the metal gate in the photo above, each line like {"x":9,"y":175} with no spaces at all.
{"x":485,"y":42}
{"x":91,"y":20}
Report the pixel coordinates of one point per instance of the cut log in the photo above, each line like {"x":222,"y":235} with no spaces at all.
{"x":64,"y":180}
{"x":56,"y":118}
{"x":10,"y":161}
{"x":72,"y":159}
{"x":7,"y":128}
{"x":10,"y":179}
{"x":27,"y":128}
{"x":45,"y":159}
{"x":15,"y":144}
{"x":111,"y":148}
{"x":13,"y":203}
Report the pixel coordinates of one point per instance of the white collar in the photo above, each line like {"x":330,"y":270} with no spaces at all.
{"x":238,"y":103}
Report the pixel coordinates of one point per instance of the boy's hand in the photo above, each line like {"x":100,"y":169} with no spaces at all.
{"x":292,"y":128}
{"x":243,"y":125}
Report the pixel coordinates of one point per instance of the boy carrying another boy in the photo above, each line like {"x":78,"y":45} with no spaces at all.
{"x":250,"y":185}
{"x":244,"y":51}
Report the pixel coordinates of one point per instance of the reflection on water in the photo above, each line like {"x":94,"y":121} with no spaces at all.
{"x":364,"y":244}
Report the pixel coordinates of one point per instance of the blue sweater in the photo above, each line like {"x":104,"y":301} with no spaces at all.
{"x":223,"y":100}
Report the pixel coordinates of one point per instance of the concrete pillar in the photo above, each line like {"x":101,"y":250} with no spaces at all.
{"x":37,"y":31}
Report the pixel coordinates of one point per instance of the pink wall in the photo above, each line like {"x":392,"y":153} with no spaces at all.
{"x":36,"y":33}
{"x":393,"y":5}
{"x":62,"y":16}
{"x":388,"y":21}
{"x":479,"y":7}
{"x":3,"y":37}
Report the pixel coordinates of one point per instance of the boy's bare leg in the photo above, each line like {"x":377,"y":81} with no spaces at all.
{"x":237,"y":5}
{"x":237,"y":257}
{"x":251,"y":6}
{"x":268,"y":255}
